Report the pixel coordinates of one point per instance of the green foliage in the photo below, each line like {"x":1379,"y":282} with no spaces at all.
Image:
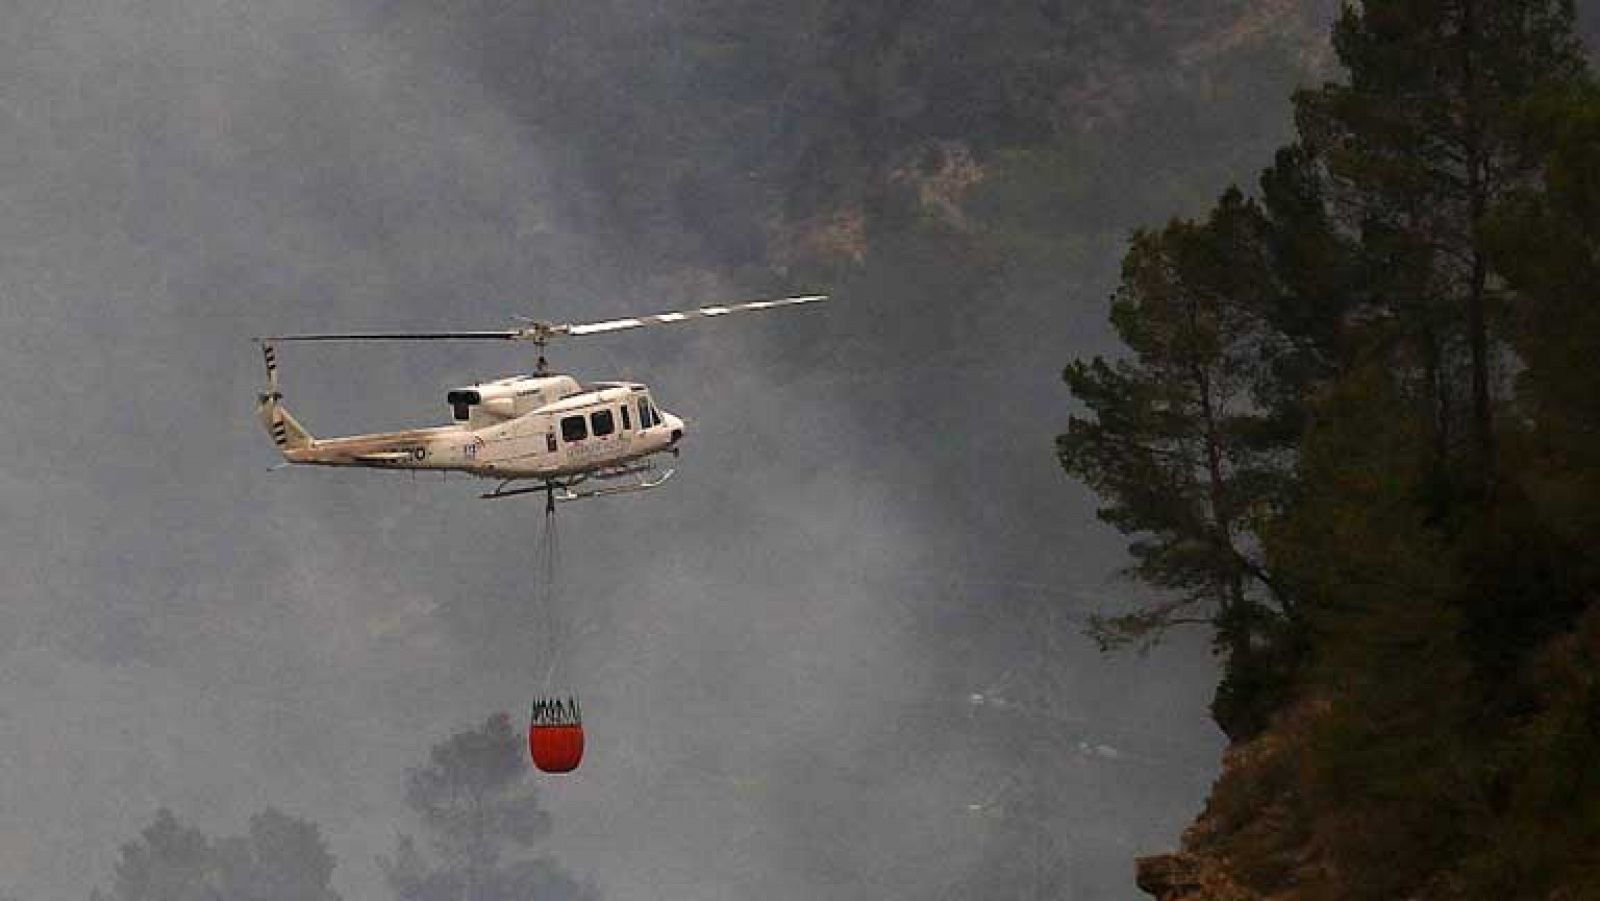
{"x":1549,"y":240}
{"x":1548,"y":836}
{"x":1421,"y":632}
{"x":1258,"y":676}
{"x":1392,"y":758}
{"x":481,"y":812}
{"x":1252,"y":305}
{"x":699,"y":133}
{"x":1535,"y":612}
{"x":281,"y":858}
{"x":1404,"y":324}
{"x":1186,"y":440}
{"x":1421,"y":144}
{"x":168,"y":862}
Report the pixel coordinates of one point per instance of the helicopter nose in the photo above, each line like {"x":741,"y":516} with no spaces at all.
{"x":675,"y":424}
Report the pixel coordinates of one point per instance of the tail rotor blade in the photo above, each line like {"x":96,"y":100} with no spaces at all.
{"x":271,"y":357}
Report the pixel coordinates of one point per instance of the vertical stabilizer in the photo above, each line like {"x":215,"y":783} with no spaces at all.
{"x":287,"y":433}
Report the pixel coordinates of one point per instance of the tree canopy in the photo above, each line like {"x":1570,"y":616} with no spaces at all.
{"x":1355,"y":433}
{"x":280,"y":858}
{"x":479,"y":808}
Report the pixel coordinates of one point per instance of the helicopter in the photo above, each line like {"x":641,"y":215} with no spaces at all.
{"x":572,"y":440}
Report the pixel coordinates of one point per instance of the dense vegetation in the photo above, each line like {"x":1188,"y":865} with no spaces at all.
{"x":479,"y":806}
{"x":1357,"y":436}
{"x":932,"y":158}
{"x":701,"y":129}
{"x":475,"y":799}
{"x":279,"y":858}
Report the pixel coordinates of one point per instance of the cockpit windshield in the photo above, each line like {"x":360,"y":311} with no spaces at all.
{"x":648,"y":417}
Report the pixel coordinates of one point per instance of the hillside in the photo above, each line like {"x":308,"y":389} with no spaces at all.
{"x":734,"y":134}
{"x":1355,"y":437}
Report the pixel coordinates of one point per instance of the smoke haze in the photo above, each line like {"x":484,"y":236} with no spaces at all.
{"x":837,"y":656}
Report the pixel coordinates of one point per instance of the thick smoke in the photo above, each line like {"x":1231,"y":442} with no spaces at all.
{"x":779,"y":653}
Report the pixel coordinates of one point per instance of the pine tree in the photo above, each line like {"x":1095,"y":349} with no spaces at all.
{"x":1184,"y":441}
{"x":1549,"y":237}
{"x":168,"y":862}
{"x":482,"y":815}
{"x":1421,"y":144}
{"x":281,"y":858}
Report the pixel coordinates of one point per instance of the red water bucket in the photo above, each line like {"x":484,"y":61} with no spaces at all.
{"x":556,"y":748}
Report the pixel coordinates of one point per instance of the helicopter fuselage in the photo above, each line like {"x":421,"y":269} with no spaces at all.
{"x":547,"y":427}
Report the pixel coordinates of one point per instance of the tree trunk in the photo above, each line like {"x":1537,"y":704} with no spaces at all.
{"x":1478,"y":189}
{"x":1221,"y":516}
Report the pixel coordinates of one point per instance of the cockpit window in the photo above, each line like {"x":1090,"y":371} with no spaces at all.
{"x":574,"y":428}
{"x":646,"y":413}
{"x":603,"y":423}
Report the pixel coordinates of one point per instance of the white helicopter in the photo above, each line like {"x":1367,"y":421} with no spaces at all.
{"x":546,"y":427}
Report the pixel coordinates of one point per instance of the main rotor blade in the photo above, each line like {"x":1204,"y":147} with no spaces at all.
{"x":540,"y":332}
{"x":617,"y":325}
{"x":503,"y":335}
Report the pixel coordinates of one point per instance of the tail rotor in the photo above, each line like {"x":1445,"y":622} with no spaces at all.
{"x":287,"y":433}
{"x":270,"y":355}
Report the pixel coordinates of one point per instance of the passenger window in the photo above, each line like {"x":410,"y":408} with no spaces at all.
{"x":550,"y":442}
{"x":573,"y":428}
{"x":604,"y":423}
{"x":627,"y":424}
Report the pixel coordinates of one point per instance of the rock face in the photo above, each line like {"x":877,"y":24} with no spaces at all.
{"x":1272,"y":830}
{"x":1191,"y":877}
{"x":1255,"y":840}
{"x":1169,"y":877}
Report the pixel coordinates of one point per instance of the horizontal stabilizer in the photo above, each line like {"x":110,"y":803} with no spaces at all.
{"x":385,"y":457}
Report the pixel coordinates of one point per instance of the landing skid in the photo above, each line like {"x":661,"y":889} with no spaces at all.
{"x":644,"y":484}
{"x":562,"y":491}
